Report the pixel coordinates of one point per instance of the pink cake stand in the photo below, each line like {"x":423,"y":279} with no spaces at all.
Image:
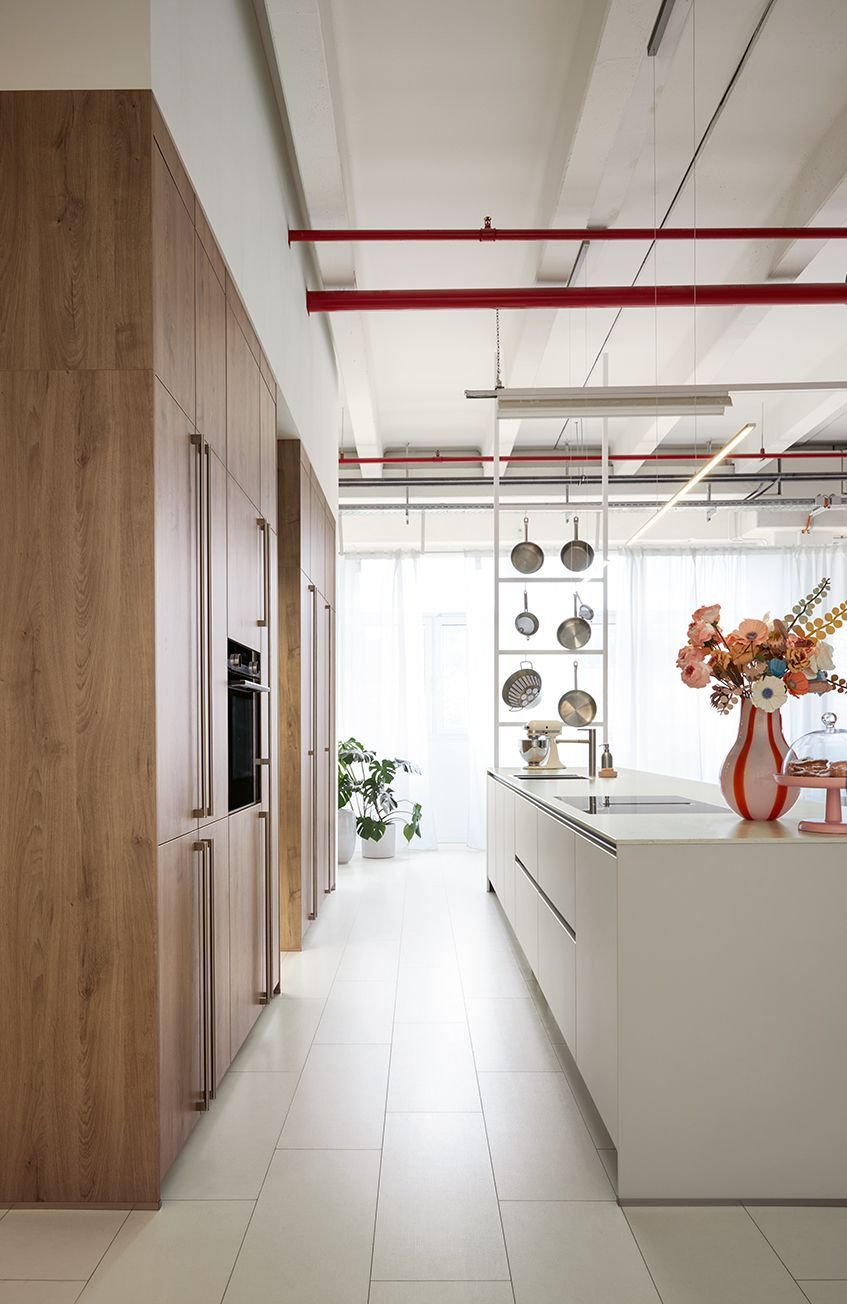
{"x":833,"y":822}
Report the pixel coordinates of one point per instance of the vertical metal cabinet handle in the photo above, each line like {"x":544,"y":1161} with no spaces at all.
{"x":313,"y":752}
{"x":205,"y":994}
{"x":265,"y":997}
{"x":329,"y":759}
{"x":266,"y":566}
{"x":212,"y":1010}
{"x":200,"y":576}
{"x":332,"y":739}
{"x":210,"y":734}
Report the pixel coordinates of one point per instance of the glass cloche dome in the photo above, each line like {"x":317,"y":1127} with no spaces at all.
{"x":821,"y":754}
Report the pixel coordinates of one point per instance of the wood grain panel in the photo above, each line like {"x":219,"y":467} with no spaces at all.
{"x":218,"y":834}
{"x":79,"y":1064}
{"x":210,"y":325}
{"x":247,"y":950}
{"x":234,"y":300}
{"x":293,"y":729}
{"x":317,"y":532}
{"x":220,"y":720}
{"x":75,"y":230}
{"x":243,"y":418}
{"x":173,"y":287}
{"x":165,"y":142}
{"x":209,"y":243}
{"x":268,"y":455}
{"x":180,"y":995}
{"x":244,"y":568}
{"x":267,"y":374}
{"x":176,"y":634}
{"x":306,"y":510}
{"x":288,"y":501}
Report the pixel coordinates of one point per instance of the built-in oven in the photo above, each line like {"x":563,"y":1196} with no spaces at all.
{"x":245,"y":689}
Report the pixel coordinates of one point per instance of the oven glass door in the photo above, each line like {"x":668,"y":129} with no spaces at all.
{"x":244,"y":736}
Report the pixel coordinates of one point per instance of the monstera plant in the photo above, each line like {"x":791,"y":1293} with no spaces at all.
{"x":365,"y":788}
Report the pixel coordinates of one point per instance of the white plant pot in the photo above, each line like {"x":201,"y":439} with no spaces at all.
{"x":383,"y":848}
{"x":346,"y":835}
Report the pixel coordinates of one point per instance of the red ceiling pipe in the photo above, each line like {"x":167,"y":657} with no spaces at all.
{"x":483,"y":234}
{"x":763,"y":454}
{"x":595,"y":296}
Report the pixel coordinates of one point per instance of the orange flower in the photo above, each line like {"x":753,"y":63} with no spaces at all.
{"x":753,"y":631}
{"x":796,"y":683}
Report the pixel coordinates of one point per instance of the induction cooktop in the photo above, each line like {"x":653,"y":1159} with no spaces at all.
{"x":648,"y":805}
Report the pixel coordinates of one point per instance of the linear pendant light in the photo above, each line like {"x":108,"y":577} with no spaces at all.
{"x":704,"y":470}
{"x":610,"y":401}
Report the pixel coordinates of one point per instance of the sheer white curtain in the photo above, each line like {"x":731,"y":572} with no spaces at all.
{"x":656,"y":723}
{"x":391,"y":690}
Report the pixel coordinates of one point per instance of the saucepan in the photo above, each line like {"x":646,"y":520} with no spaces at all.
{"x":577,"y":708}
{"x":577,"y":555}
{"x":527,"y":557}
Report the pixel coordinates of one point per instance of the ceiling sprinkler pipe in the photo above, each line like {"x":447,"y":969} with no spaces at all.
{"x":594,"y":296}
{"x":446,"y":459}
{"x":575,"y":234}
{"x":616,"y":486}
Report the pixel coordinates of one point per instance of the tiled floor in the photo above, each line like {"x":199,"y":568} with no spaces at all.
{"x":404,"y":1126}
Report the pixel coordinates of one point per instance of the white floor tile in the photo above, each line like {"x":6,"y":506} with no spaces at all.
{"x":426,"y":948}
{"x":281,"y":1037}
{"x":430,"y":994}
{"x":182,"y":1254}
{"x":340,"y":1100}
{"x":40,"y":1292}
{"x":578,"y":1253}
{"x":432,"y":1069}
{"x":491,"y":974}
{"x":441,"y":1292}
{"x":507,"y":1034}
{"x":700,"y":1255}
{"x":812,"y":1242}
{"x":227,"y":1155}
{"x":58,"y":1244}
{"x":310,"y":972}
{"x":818,"y":1292}
{"x":311,"y":1236}
{"x":540,"y":1147}
{"x":437,"y":1217}
{"x":358,"y":1012}
{"x":375,"y":958}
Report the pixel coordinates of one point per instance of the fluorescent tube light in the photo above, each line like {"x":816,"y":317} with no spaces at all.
{"x":704,"y":470}
{"x":609,"y":401}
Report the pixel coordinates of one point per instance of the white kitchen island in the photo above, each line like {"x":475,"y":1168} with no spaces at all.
{"x":696,"y":965}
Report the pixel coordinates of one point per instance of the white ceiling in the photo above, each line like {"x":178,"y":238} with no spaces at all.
{"x":541,"y":112}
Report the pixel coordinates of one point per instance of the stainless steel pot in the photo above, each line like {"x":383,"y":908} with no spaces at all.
{"x":574,"y":632}
{"x":577,"y":708}
{"x":527,"y":557}
{"x":522,"y":688}
{"x":577,"y":555}
{"x":525,"y":622}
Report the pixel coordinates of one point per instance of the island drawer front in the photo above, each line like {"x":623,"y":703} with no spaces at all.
{"x":526,"y":916}
{"x":597,"y":978}
{"x":557,"y":971}
{"x":526,"y":835}
{"x":491,"y":786}
{"x":556,"y":866}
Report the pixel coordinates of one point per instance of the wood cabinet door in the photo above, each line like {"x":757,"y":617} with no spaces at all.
{"x":306,"y":495}
{"x":210,"y":350}
{"x":218,"y":836}
{"x":270,"y":772}
{"x":308,"y":745}
{"x":177,"y":480}
{"x":247,"y":921}
{"x":173,"y":287}
{"x":267,"y":423}
{"x":329,"y":557}
{"x":180,"y":874}
{"x":597,"y":978}
{"x":245,"y":561}
{"x":318,"y":533}
{"x":216,"y":543}
{"x":243,"y":417}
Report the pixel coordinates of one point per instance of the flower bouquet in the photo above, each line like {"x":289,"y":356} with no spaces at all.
{"x":761,"y":664}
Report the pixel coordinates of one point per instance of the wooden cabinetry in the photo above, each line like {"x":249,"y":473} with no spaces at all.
{"x":267,"y":425}
{"x":129,"y":553}
{"x":307,"y":775}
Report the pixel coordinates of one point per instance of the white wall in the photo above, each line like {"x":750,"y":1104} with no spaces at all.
{"x":210,"y":77}
{"x":74,"y":44}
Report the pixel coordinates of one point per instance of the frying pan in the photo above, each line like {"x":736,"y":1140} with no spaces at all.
{"x":575,"y":632}
{"x":576,"y":707}
{"x":525,"y":622}
{"x":522,"y":688}
{"x":527,"y":557}
{"x":577,"y":555}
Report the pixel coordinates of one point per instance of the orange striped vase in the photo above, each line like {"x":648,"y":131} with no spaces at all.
{"x":747,"y":781}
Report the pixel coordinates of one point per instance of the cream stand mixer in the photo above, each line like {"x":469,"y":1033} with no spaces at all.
{"x":546,"y":734}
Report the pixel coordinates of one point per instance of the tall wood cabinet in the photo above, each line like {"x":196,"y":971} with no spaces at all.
{"x":308,"y":769}
{"x":139,"y":919}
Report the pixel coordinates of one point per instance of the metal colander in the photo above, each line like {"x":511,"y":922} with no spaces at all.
{"x":522,"y":688}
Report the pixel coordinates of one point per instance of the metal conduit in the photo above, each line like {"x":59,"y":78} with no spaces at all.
{"x":595,"y":296}
{"x":574,"y":234}
{"x":686,"y":504}
{"x":555,"y":481}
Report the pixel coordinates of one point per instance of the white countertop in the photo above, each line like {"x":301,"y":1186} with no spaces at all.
{"x":698,"y":826}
